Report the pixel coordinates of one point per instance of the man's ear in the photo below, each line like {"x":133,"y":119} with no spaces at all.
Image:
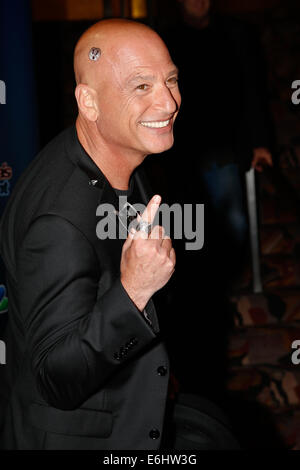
{"x":86,"y":101}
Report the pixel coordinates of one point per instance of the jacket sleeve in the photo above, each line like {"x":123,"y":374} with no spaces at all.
{"x":77,"y":338}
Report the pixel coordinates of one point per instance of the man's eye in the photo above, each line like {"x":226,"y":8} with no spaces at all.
{"x":144,"y":87}
{"x":172,"y":81}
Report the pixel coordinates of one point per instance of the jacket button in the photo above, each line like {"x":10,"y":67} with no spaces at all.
{"x":154,"y":433}
{"x":162,"y":370}
{"x":93,"y":182}
{"x":133,"y":341}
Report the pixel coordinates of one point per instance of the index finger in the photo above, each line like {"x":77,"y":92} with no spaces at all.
{"x":150,"y":212}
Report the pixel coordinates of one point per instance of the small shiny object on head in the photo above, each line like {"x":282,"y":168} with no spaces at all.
{"x":94,"y":53}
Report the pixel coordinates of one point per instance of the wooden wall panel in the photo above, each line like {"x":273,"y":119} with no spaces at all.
{"x":117,"y":8}
{"x":48,"y":10}
{"x":139,"y":9}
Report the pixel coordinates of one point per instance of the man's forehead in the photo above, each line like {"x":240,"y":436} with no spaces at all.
{"x":133,"y":59}
{"x":139,"y":52}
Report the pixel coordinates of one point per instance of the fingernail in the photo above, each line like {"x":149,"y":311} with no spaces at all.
{"x":156,"y":198}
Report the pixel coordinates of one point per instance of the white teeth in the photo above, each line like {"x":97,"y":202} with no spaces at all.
{"x":156,"y":124}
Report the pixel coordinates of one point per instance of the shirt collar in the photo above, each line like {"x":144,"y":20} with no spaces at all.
{"x":81,"y":158}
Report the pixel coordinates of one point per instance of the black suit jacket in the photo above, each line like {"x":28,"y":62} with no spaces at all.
{"x":85,"y":368}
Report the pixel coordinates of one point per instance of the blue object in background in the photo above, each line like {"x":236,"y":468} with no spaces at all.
{"x":18,"y":117}
{"x":18,"y":121}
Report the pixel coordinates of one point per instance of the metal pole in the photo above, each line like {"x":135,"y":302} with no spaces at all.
{"x":253,"y":229}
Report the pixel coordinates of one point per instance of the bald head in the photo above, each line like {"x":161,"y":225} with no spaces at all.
{"x":109,"y":38}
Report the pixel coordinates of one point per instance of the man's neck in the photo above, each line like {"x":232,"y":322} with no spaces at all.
{"x":116,"y":167}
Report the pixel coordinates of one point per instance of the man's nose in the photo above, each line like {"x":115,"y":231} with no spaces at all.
{"x":165,"y":100}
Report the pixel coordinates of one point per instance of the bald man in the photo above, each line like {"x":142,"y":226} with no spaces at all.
{"x":87,"y":367}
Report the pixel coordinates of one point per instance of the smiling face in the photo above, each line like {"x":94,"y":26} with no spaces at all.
{"x":138,"y":97}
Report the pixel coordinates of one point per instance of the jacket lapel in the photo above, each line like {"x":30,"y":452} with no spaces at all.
{"x":98,"y":191}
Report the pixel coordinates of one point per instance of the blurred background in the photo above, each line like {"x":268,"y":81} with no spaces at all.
{"x":229,"y":344}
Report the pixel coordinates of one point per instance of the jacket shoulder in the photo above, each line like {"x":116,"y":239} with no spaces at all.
{"x":52,"y":184}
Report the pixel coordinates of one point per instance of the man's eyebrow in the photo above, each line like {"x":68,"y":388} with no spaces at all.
{"x":175,"y":71}
{"x":140,"y":76}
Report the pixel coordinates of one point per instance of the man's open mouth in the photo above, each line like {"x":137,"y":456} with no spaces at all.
{"x":155,"y":124}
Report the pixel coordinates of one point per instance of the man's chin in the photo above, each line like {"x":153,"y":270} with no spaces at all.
{"x":163,"y":147}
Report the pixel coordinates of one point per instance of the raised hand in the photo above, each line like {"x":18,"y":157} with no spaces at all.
{"x":148,"y":260}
